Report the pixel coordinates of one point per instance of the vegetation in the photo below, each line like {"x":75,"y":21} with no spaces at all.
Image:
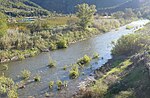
{"x":7,"y":86}
{"x":59,"y":84}
{"x":74,"y":72}
{"x":125,"y":94}
{"x":16,"y":8}
{"x":52,"y":64}
{"x":96,"y":55}
{"x":3,"y":24}
{"x":44,"y":34}
{"x":5,"y":66}
{"x":127,"y":14}
{"x":13,"y":55}
{"x":84,"y":60}
{"x":99,"y":90}
{"x":62,"y":44}
{"x":130,"y":44}
{"x":129,"y":27}
{"x":118,"y":69}
{"x":86,"y":15}
{"x":105,"y":25}
{"x":25,"y":74}
{"x":121,"y":77}
{"x":65,"y":67}
{"x":21,"y":37}
{"x":51,"y":84}
{"x":103,"y":6}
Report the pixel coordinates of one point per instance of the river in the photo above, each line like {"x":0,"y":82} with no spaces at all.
{"x":38,"y":64}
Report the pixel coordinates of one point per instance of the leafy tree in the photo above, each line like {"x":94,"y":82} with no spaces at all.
{"x":3,"y":24}
{"x":85,"y":13}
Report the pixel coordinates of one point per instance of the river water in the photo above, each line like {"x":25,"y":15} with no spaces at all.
{"x":38,"y":64}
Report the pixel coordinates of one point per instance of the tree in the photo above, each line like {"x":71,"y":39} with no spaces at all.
{"x":129,"y":13}
{"x":3,"y":24}
{"x":118,"y":14}
{"x":85,"y":13}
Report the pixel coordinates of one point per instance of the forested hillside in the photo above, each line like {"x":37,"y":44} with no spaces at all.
{"x":21,"y":8}
{"x":67,"y":6}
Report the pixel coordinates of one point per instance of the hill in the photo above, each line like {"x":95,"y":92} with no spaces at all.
{"x":67,"y":6}
{"x":21,"y":8}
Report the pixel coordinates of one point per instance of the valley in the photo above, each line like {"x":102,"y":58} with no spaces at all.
{"x":74,"y":49}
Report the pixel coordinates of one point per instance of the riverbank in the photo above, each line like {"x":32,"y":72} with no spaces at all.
{"x":38,"y":65}
{"x":60,"y":38}
{"x":127,"y":74}
{"x":123,"y":76}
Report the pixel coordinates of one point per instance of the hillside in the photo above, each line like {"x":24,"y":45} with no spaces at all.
{"x":67,"y":6}
{"x":21,"y":8}
{"x":127,"y":74}
{"x":35,"y":7}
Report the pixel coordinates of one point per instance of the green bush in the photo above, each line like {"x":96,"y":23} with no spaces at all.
{"x":51,"y":84}
{"x":62,"y":44}
{"x":130,"y":44}
{"x":7,"y":86}
{"x":59,"y":84}
{"x":53,"y":46}
{"x":129,"y":27}
{"x":99,"y":90}
{"x":65,"y":67}
{"x":25,"y":74}
{"x":84,"y":60}
{"x":74,"y":72}
{"x":52,"y":64}
{"x":95,"y":56}
{"x":12,"y":94}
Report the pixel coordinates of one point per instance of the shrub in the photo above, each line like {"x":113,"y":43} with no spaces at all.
{"x":95,"y":56}
{"x":12,"y":94}
{"x":5,"y":66}
{"x":37,"y":78}
{"x":21,"y":57}
{"x":53,"y":46}
{"x":129,"y":27}
{"x":74,"y":72}
{"x":130,"y":44}
{"x":99,"y":90}
{"x":84,"y":60}
{"x":65,"y":67}
{"x":7,"y":86}
{"x":26,"y":74}
{"x":59,"y":84}
{"x":62,"y":44}
{"x":51,"y":84}
{"x":52,"y":64}
{"x":125,"y":94}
